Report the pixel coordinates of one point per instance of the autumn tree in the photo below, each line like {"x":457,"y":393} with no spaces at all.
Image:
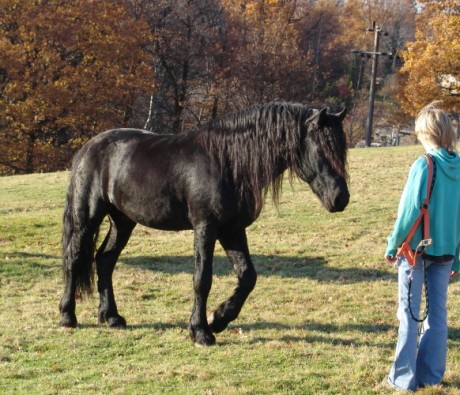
{"x":432,"y":63}
{"x":186,"y":47}
{"x":71,"y":69}
{"x":68,"y":70}
{"x":281,"y":50}
{"x":396,"y":19}
{"x":217,"y":56}
{"x":263,"y":44}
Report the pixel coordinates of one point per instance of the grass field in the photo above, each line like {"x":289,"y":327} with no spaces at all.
{"x":321,"y":320}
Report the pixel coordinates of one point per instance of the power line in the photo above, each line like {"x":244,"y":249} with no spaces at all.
{"x":378,"y":31}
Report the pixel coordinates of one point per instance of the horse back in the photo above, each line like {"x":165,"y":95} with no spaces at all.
{"x":167,"y":182}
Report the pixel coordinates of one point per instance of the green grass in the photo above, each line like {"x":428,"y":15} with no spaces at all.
{"x":321,"y":320}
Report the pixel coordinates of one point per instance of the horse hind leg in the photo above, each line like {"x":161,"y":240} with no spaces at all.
{"x":106,"y":258}
{"x":79,"y":238}
{"x":236,"y":248}
{"x":77,"y":267}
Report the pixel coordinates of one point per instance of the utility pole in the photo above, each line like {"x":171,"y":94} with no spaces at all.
{"x":378,"y":31}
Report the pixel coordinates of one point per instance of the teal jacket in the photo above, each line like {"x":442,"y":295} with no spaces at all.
{"x":444,"y":207}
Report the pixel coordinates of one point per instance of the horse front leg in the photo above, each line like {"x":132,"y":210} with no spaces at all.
{"x":204,"y":244}
{"x":236,"y":248}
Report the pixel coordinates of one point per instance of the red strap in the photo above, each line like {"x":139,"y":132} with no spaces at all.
{"x":426,"y":202}
{"x":425,"y":209}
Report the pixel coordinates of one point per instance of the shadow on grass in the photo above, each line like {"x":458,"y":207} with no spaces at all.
{"x":29,"y":255}
{"x":454,"y":334}
{"x":18,"y":264}
{"x":332,"y":333}
{"x":455,"y":383}
{"x":329,"y":333}
{"x":154,"y":326}
{"x":315,"y":268}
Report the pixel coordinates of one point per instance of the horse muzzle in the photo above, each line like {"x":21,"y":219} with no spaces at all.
{"x":335,"y":197}
{"x":340,"y":202}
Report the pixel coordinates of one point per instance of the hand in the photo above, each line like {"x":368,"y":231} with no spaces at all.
{"x":390,"y":259}
{"x":453,"y":274}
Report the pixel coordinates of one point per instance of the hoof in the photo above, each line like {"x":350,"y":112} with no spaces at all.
{"x":115,"y":322}
{"x":199,"y":345}
{"x":67,"y":322}
{"x":205,"y":341}
{"x":202,"y":338}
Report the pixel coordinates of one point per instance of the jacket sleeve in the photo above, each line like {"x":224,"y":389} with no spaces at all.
{"x":409,"y":205}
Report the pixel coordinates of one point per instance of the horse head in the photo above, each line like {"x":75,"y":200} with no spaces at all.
{"x":322,"y":159}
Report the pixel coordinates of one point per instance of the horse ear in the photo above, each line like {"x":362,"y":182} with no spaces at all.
{"x":318,"y":118}
{"x":342,"y":114}
{"x":321,"y":117}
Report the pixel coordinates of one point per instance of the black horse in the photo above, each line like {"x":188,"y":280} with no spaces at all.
{"x":213,"y":180}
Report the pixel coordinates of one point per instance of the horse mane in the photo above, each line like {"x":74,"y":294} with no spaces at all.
{"x":257,"y":144}
{"x":334,"y":146}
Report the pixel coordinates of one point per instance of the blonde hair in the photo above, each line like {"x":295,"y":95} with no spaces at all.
{"x":433,"y":126}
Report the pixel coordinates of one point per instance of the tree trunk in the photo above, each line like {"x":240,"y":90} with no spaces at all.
{"x":30,"y":153}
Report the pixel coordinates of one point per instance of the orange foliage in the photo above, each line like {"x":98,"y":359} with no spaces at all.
{"x":432,"y":63}
{"x":68,"y":69}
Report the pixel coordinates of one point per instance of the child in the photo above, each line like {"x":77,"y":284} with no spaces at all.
{"x":420,"y":363}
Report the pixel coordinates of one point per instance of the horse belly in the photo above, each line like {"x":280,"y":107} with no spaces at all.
{"x":154,"y":212}
{"x":166,"y":220}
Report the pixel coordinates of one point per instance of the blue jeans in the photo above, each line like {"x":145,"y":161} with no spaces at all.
{"x":420,"y":362}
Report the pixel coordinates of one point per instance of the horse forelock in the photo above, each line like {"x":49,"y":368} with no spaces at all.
{"x":333,"y":143}
{"x":258,"y":144}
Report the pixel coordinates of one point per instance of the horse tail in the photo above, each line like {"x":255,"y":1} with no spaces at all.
{"x":79,"y":246}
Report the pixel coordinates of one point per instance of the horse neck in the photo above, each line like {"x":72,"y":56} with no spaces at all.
{"x":256,"y":147}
